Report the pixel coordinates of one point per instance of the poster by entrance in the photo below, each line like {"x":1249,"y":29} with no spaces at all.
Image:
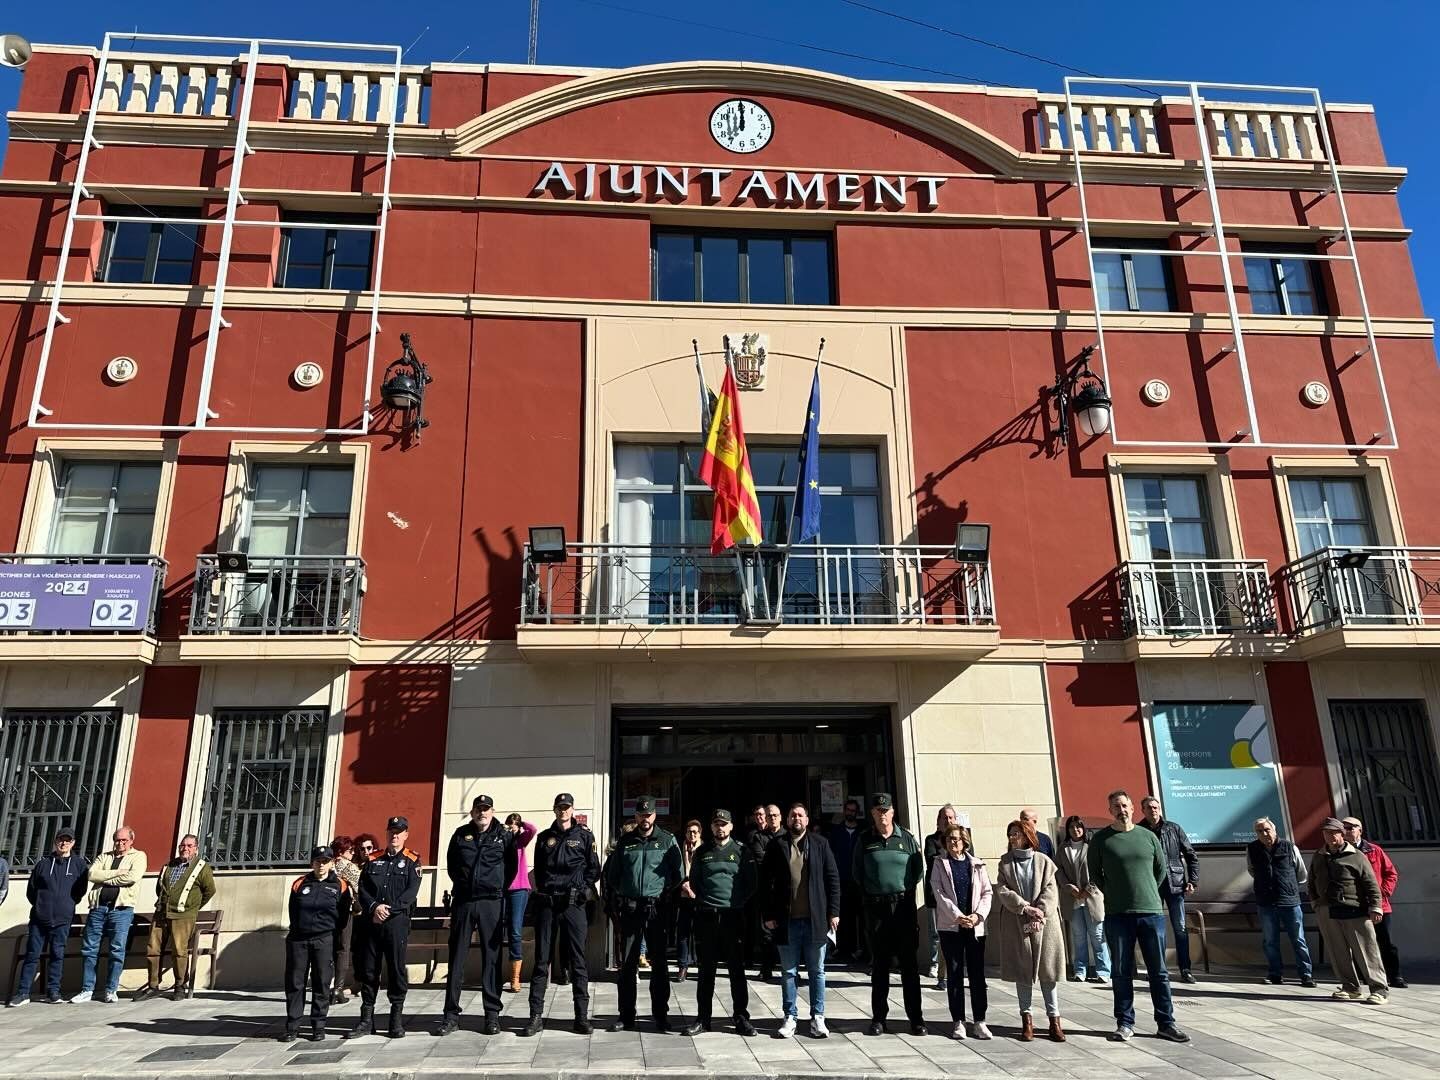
{"x":1217,"y":768}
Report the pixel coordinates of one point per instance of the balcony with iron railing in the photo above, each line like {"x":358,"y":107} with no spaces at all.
{"x":275,"y":607}
{"x":1363,"y":598}
{"x":1190,"y":606}
{"x":622,"y":601}
{"x":79,"y":607}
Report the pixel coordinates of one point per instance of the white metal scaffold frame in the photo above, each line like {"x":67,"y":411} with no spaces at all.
{"x":1251,"y":436}
{"x":234,"y":198}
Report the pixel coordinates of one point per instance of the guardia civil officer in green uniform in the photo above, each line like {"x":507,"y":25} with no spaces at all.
{"x":721,"y":881}
{"x":888,"y":863}
{"x":641,"y":877}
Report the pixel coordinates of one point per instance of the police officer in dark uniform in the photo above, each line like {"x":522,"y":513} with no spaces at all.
{"x":641,"y":877}
{"x":566,"y":868}
{"x":722,"y":880}
{"x":481,"y":863}
{"x":887,"y":865}
{"x":389,"y":884}
{"x":320,"y":904}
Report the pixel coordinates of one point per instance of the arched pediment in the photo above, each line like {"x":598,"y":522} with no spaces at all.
{"x":473,"y":136}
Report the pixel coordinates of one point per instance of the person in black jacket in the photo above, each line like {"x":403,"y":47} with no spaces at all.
{"x":760,"y":947}
{"x":57,"y":882}
{"x":843,"y":836}
{"x":1182,"y":875}
{"x":800,"y":906}
{"x":481,"y":863}
{"x":389,"y":884}
{"x":320,"y":903}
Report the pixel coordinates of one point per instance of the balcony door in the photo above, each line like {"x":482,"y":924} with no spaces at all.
{"x":1334,"y":512}
{"x":297,"y":528}
{"x":105,"y":508}
{"x":1169,"y":526}
{"x":660,"y":569}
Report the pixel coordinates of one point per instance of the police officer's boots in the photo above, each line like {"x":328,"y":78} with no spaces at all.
{"x":366,"y":1025}
{"x":397,"y":1021}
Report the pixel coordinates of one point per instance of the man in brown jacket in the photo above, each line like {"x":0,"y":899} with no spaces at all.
{"x":1347,"y":904}
{"x":184,"y":886}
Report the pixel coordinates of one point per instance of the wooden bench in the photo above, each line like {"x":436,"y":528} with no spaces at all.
{"x":206,"y":942}
{"x":435,"y":923}
{"x":1236,"y":916}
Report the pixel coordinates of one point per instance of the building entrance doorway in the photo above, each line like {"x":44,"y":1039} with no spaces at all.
{"x":695,"y":761}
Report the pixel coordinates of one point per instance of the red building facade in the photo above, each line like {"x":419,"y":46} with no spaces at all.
{"x":1228,"y":598}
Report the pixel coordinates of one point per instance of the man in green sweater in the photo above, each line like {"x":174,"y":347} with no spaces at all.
{"x":1127,"y":865}
{"x":721,"y":882}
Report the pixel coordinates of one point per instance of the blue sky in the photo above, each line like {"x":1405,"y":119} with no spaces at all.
{"x":1378,"y":53}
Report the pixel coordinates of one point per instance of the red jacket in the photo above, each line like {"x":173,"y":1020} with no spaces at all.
{"x":1385,"y":872}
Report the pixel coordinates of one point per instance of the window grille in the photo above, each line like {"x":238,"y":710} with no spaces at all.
{"x":263,"y":786}
{"x":1388,"y":769}
{"x":56,"y":767}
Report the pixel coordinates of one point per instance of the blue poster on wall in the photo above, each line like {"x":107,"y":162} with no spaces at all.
{"x":1218,"y":768}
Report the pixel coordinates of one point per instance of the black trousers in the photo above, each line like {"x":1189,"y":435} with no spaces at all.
{"x":964,"y":955}
{"x":647,"y":927}
{"x":564,"y":924}
{"x":1388,"y":952}
{"x":720,"y":935}
{"x":466,"y":917}
{"x":316,"y":957}
{"x":850,"y":937}
{"x":382,"y":943}
{"x":893,"y":936}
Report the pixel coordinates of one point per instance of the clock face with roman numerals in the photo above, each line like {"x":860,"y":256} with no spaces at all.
{"x":741,"y":125}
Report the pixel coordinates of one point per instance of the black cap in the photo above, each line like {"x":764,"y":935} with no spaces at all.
{"x":564,"y":799}
{"x":720,"y":815}
{"x":398,"y":824}
{"x":882,"y":800}
{"x":645,"y":804}
{"x":65,"y":833}
{"x":484,"y":802}
{"x":322,"y":853}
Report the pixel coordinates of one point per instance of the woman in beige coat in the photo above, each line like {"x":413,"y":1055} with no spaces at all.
{"x":1032,"y":945}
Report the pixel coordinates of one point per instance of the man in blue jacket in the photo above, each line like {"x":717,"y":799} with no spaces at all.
{"x":57,"y":882}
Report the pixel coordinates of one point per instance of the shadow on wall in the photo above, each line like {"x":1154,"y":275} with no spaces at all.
{"x":402,"y":714}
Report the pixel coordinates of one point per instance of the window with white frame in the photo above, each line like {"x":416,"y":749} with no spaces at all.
{"x":1331,"y":511}
{"x":56,"y":767}
{"x":104,"y":507}
{"x":263,"y":786}
{"x":298,"y":509}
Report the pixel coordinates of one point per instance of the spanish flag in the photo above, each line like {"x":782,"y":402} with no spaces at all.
{"x":725,"y":466}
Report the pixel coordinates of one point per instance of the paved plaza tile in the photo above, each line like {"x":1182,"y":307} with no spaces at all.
{"x":1241,"y":1028}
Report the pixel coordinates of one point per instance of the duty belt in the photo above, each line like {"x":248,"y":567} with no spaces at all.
{"x":884,"y":898}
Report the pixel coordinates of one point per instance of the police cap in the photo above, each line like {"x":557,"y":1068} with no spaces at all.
{"x":483,"y":802}
{"x":645,"y":804}
{"x":882,"y":800}
{"x":564,"y":799}
{"x":721,"y":815}
{"x":322,"y":853}
{"x":398,"y":824}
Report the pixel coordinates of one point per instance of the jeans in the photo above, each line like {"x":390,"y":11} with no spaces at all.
{"x":801,"y":944}
{"x":101,"y":921}
{"x":1273,"y":920}
{"x":1024,"y":993}
{"x":515,"y":901}
{"x":1088,"y":936}
{"x":1123,"y":932}
{"x":43,"y":938}
{"x":1176,"y":903}
{"x":933,"y":936}
{"x":964,"y":954}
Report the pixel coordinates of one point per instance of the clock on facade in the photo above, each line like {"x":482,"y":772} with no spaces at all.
{"x":741,"y":125}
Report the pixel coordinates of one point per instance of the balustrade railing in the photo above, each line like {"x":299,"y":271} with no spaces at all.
{"x":805,"y":584}
{"x":272,"y":595}
{"x":1178,"y":597}
{"x":1363,"y":586}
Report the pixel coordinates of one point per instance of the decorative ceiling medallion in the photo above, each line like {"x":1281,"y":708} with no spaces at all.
{"x":307,"y":375}
{"x":748,"y":353}
{"x":1156,"y":391}
{"x":1315,"y":394}
{"x":121,"y":370}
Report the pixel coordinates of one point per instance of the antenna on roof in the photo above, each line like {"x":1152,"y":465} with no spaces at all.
{"x":534,"y":31}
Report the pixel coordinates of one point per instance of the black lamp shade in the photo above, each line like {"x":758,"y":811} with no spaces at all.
{"x":1091,"y":408}
{"x":547,"y":543}
{"x":972,"y":543}
{"x":402,"y":391}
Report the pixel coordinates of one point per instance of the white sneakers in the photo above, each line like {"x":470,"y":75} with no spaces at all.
{"x":818,"y":1030}
{"x":787,"y":1029}
{"x":959,"y":1032}
{"x":1377,"y":999}
{"x":978,"y":1030}
{"x":1347,"y":995}
{"x":82,"y":997}
{"x":110,"y":997}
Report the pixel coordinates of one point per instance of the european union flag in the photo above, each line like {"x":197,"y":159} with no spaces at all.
{"x":806,"y":523}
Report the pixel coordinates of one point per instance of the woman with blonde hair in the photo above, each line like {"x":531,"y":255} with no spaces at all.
{"x":1032,"y":945}
{"x":961,"y":889}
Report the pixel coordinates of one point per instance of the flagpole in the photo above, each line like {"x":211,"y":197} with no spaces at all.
{"x":704,"y":393}
{"x":745,"y":592}
{"x":789,"y":521}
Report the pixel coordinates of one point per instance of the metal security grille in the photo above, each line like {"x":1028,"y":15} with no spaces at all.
{"x":262,"y":787}
{"x":55,"y":769}
{"x":1388,"y":769}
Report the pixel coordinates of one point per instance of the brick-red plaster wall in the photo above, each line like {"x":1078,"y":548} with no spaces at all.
{"x":1095,"y":711}
{"x":162,"y":744}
